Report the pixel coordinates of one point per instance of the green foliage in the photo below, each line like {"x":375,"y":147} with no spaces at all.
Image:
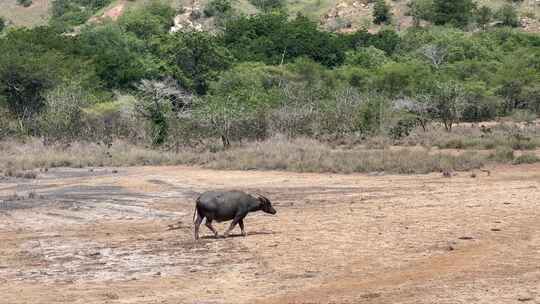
{"x":23,"y":83}
{"x":32,"y":62}
{"x":381,"y":12}
{"x":218,"y":8}
{"x":402,"y":78}
{"x":518,"y":75}
{"x":420,"y":10}
{"x":148,"y":21}
{"x":269,"y":5}
{"x":120,"y":57}
{"x":484,"y":15}
{"x":273,"y":39}
{"x":366,"y":57}
{"x":261,"y":75}
{"x":508,"y":16}
{"x":447,"y":100}
{"x":2,"y":24}
{"x":195,"y":58}
{"x":386,"y":40}
{"x":456,"y":12}
{"x":68,"y":13}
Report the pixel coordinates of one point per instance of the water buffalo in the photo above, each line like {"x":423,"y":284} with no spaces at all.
{"x":228,"y":205}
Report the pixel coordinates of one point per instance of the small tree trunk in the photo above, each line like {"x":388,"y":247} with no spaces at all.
{"x":225,"y":141}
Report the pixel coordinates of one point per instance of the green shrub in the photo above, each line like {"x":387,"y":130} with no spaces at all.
{"x":217,"y":8}
{"x":269,"y":5}
{"x":381,"y":12}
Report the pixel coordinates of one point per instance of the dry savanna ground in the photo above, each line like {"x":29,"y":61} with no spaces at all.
{"x":103,"y":236}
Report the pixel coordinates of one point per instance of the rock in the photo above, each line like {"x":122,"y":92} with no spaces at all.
{"x":466,"y":238}
{"x":525,"y":297}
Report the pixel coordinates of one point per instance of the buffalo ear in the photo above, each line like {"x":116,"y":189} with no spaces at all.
{"x":263,"y":199}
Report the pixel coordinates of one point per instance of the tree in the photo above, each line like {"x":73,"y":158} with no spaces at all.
{"x":447,"y":101}
{"x":456,"y":12}
{"x":418,"y":108}
{"x":159,"y":101}
{"x":274,"y":39}
{"x":119,"y":56}
{"x":218,"y":8}
{"x":420,"y":10}
{"x":153,"y":19}
{"x":484,"y":15}
{"x":508,"y":16}
{"x":436,"y":54}
{"x":237,"y":101}
{"x":195,"y":59}
{"x":22,"y":86}
{"x":381,"y":12}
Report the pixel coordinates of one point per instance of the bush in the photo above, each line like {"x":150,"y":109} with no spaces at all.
{"x":456,"y":12}
{"x":484,"y":15}
{"x":527,"y":158}
{"x":508,"y":16}
{"x":366,"y":57}
{"x":269,"y":5}
{"x":381,"y":12}
{"x":69,"y":13}
{"x":149,"y":21}
{"x":61,"y":119}
{"x":217,"y":8}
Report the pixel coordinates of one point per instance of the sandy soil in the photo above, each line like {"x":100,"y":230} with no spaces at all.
{"x":75,"y":236}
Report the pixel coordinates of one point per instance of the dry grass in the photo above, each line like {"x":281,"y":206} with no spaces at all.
{"x":515,"y":136}
{"x":301,"y":155}
{"x":305,"y":155}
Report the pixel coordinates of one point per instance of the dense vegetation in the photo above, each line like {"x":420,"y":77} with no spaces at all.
{"x":260,"y":75}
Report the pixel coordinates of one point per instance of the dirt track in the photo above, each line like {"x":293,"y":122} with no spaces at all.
{"x":101,"y":237}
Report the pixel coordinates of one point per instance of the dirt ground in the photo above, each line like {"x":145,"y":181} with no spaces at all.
{"x":101,"y":236}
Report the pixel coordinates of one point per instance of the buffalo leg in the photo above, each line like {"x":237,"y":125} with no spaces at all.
{"x":198,"y":222}
{"x":233,"y":223}
{"x":241,"y":224}
{"x":209,"y":225}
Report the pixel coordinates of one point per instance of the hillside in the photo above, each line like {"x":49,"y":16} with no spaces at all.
{"x":343,"y":15}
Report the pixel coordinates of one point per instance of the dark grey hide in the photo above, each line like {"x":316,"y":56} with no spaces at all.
{"x":224,"y":206}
